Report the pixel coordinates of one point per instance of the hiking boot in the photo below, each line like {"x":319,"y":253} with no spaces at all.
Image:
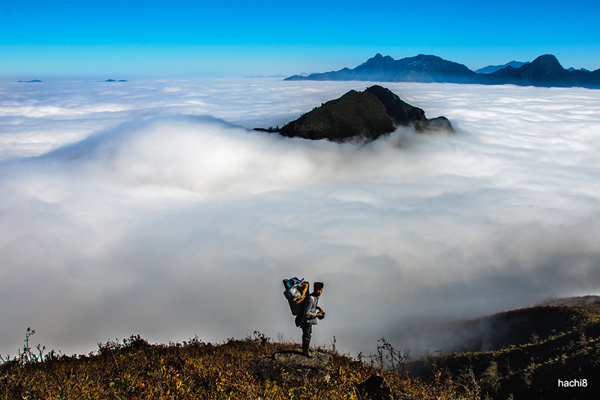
{"x":307,"y":353}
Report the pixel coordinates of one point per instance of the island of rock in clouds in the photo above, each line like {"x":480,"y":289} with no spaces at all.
{"x":363,"y":115}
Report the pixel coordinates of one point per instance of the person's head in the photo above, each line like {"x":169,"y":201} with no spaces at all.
{"x":318,"y":288}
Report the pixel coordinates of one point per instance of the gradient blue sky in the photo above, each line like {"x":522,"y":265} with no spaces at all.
{"x":199,"y":38}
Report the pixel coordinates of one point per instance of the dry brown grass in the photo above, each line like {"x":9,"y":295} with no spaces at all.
{"x":136,"y":369}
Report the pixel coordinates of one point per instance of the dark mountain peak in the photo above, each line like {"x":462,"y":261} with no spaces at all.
{"x":353,"y":115}
{"x":401,"y":112}
{"x":547,"y":60}
{"x":547,"y":64}
{"x":379,"y":57}
{"x":427,"y":57}
{"x":543,"y":71}
{"x":430,"y":68}
{"x":546,"y":70}
{"x":362,"y":116}
{"x":378,"y":62}
{"x":422,"y":59}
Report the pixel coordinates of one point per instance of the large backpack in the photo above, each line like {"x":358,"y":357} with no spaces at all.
{"x":295,"y":293}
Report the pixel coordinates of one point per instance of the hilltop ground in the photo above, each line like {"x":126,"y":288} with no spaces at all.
{"x":528,"y":352}
{"x":136,"y":369}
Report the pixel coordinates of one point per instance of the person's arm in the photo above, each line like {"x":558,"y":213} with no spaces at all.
{"x":320,"y":312}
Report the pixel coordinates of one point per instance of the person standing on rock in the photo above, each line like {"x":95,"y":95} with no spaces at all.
{"x":309,"y":317}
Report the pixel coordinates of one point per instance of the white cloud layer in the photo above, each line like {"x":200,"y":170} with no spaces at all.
{"x":150,"y":208}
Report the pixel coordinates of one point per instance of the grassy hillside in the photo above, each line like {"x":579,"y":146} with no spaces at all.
{"x":527,"y":352}
{"x":135,"y":369}
{"x":531,"y":350}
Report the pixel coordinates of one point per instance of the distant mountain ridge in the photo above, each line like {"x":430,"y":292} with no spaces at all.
{"x":421,"y":68}
{"x":544,"y":71}
{"x":490,"y":69}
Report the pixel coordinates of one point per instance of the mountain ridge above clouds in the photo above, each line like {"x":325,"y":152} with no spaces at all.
{"x":363,"y":116}
{"x":493,"y":68}
{"x":421,"y":68}
{"x":544,"y":71}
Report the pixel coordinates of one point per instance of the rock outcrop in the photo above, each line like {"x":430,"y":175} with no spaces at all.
{"x":364,"y":116}
{"x":404,"y":114}
{"x":293,"y":366}
{"x":375,"y":388}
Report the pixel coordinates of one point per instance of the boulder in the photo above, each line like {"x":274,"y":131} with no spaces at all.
{"x":293,"y":367}
{"x":375,"y":388}
{"x":434,"y":125}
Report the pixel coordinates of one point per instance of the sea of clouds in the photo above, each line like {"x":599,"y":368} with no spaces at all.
{"x":151,"y":208}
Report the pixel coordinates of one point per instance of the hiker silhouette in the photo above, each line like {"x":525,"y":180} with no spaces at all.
{"x":305,"y":307}
{"x":309,"y":317}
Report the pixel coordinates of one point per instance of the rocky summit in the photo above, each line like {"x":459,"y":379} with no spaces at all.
{"x":292,"y":366}
{"x":362,"y":116}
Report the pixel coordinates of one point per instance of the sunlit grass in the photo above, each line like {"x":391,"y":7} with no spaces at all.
{"x":136,"y":369}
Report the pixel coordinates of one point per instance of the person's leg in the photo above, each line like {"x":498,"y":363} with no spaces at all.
{"x":306,"y":334}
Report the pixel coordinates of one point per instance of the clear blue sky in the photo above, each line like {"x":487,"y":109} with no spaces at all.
{"x":180,"y":37}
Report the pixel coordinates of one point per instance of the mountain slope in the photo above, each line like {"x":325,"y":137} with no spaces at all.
{"x":529,"y":351}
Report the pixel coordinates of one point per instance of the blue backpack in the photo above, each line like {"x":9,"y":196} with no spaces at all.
{"x":295,"y":293}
